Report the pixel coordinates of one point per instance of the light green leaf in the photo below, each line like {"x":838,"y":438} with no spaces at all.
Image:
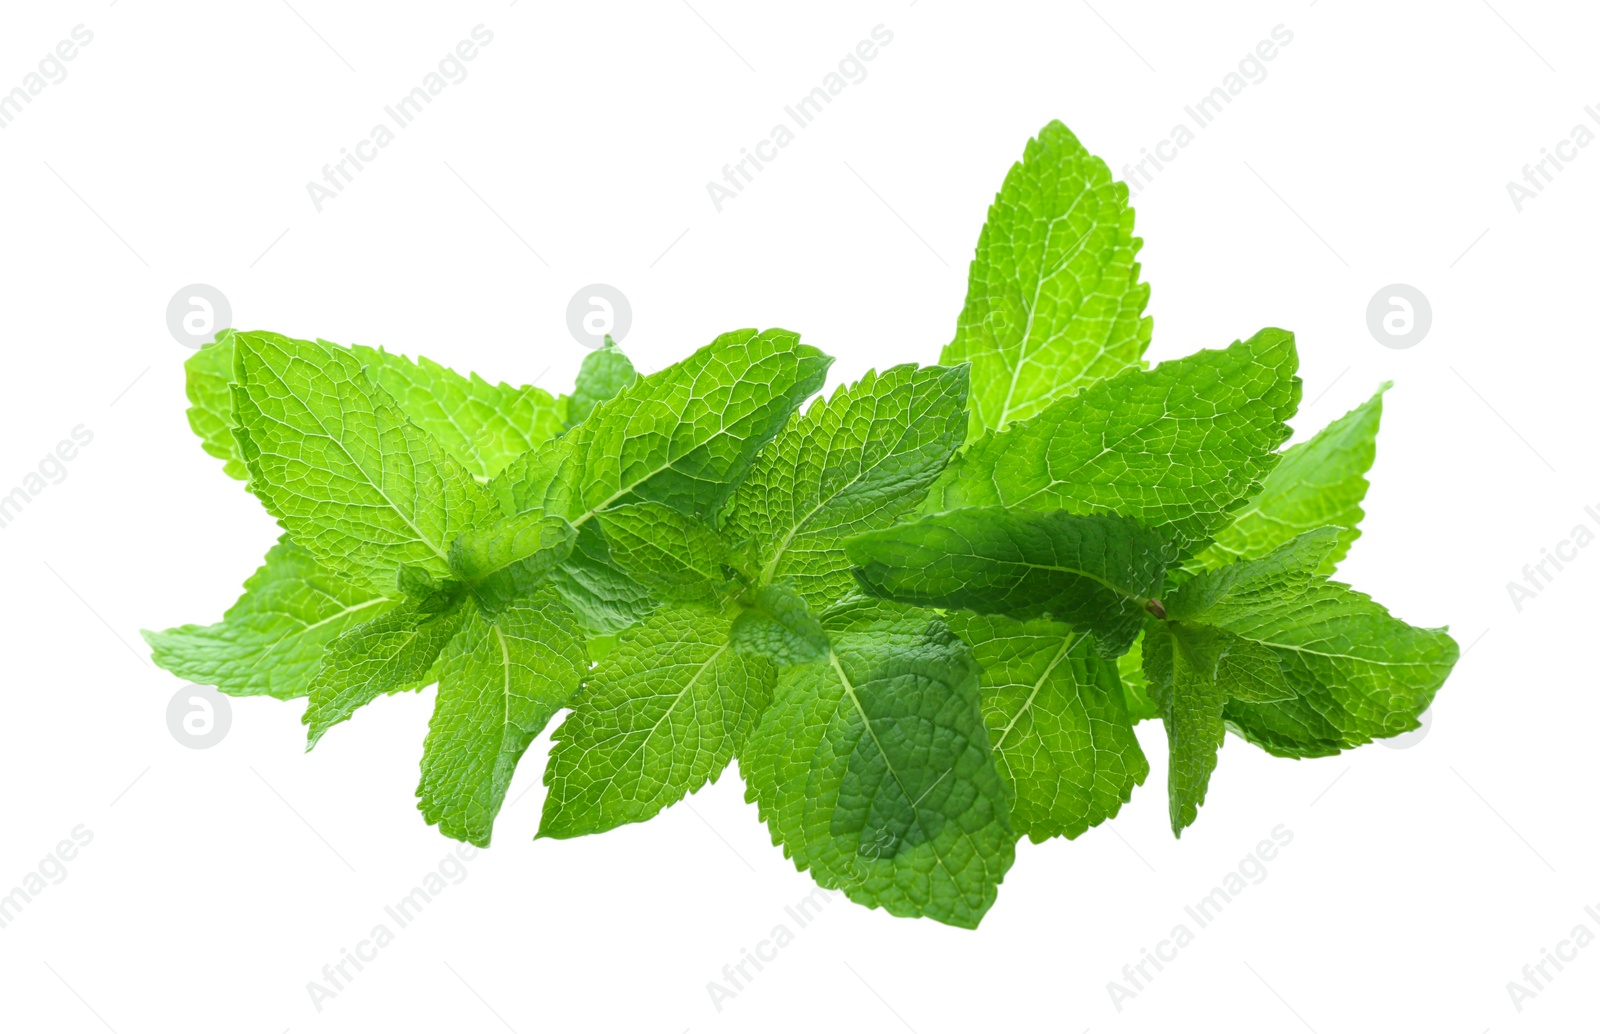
{"x":1060,"y":731}
{"x":507,"y":560}
{"x":1093,"y":572}
{"x":1357,"y":672}
{"x":207,"y":376}
{"x":1135,"y":691}
{"x":1318,"y":483}
{"x":484,"y":426}
{"x":874,"y":772}
{"x":658,"y":718}
{"x":779,"y":627}
{"x":428,"y":594}
{"x":857,"y":461}
{"x":673,"y":554}
{"x":604,"y":598}
{"x":270,"y":642}
{"x":392,"y":652}
{"x":540,"y":479}
{"x":1180,"y":662}
{"x":1054,"y":301}
{"x":603,"y":373}
{"x":1250,"y":672}
{"x":686,"y":435}
{"x":500,"y":681}
{"x":1175,"y":448}
{"x":356,"y":484}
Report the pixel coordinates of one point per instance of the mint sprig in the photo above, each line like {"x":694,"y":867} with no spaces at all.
{"x":923,"y":613}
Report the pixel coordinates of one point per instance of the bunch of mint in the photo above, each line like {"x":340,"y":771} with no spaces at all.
{"x":923,"y":613}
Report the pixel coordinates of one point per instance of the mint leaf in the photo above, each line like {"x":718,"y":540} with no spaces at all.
{"x":392,"y":652}
{"x":1318,"y":483}
{"x":853,"y":462}
{"x":208,"y":376}
{"x":270,"y":642}
{"x":484,"y":426}
{"x":1135,"y":690}
{"x":1060,"y":731}
{"x":1095,"y":573}
{"x":1251,"y":672}
{"x":1358,"y":673}
{"x":359,"y":486}
{"x":659,"y":718}
{"x":675,"y":555}
{"x":682,"y":437}
{"x":1054,"y":301}
{"x":671,"y":556}
{"x":1177,"y":447}
{"x":507,"y":560}
{"x":779,"y":627}
{"x":686,"y":435}
{"x":500,"y":681}
{"x":874,"y":772}
{"x":540,"y":479}
{"x":1180,"y":662}
{"x":603,"y":373}
{"x":604,"y":598}
{"x":426,"y":593}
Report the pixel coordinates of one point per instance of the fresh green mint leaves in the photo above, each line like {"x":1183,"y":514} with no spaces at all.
{"x":921,"y":614}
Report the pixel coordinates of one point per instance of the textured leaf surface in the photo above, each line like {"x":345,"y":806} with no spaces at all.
{"x":658,"y":718}
{"x":603,"y":373}
{"x":1093,"y":572}
{"x":675,"y":555}
{"x":1177,"y":447}
{"x":1250,"y":672}
{"x":392,"y":652}
{"x":270,"y":642}
{"x":874,"y":772}
{"x":605,"y":598}
{"x":780,"y":628}
{"x":500,"y":681}
{"x":1135,"y":690}
{"x":856,"y":461}
{"x":356,"y":484}
{"x":208,"y":375}
{"x":1180,"y":662}
{"x":1358,"y":672}
{"x":507,"y":560}
{"x":1057,"y":722}
{"x":1054,"y":301}
{"x":484,"y":426}
{"x":1319,"y":483}
{"x":686,"y":435}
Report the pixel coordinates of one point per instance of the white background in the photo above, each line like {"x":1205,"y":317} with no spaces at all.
{"x":1377,"y":150}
